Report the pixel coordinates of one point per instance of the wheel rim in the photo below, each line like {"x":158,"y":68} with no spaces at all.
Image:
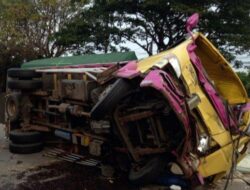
{"x":11,"y":108}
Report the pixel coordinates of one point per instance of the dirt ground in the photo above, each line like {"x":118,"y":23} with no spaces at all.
{"x":37,"y":171}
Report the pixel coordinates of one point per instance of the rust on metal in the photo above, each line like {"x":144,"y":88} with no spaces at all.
{"x":136,"y":116}
{"x":125,"y":137}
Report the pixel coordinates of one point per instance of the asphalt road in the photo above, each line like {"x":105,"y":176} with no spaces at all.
{"x":36,"y":171}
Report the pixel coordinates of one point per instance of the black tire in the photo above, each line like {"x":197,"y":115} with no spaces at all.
{"x":149,"y":172}
{"x":104,"y":106}
{"x":14,"y":125}
{"x":24,"y":84}
{"x":23,"y":73}
{"x":25,"y":137}
{"x":12,"y":107}
{"x":25,"y":148}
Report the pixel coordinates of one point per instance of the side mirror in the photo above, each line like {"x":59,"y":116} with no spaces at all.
{"x":192,"y":22}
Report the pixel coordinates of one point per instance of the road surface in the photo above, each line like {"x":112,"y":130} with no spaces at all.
{"x":36,"y":171}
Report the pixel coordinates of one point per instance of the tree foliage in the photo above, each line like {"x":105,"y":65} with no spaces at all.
{"x":145,"y":23}
{"x":225,"y":22}
{"x":28,"y":29}
{"x":47,"y":28}
{"x":52,"y":27}
{"x":93,"y":29}
{"x":31,"y":25}
{"x":155,"y":25}
{"x":245,"y":79}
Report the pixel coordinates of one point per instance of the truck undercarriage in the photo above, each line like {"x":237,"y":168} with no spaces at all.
{"x":170,"y":118}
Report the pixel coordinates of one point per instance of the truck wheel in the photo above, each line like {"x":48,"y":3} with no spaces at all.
{"x":24,"y":84}
{"x":25,"y":148}
{"x":23,"y":73}
{"x":149,"y":172}
{"x":12,"y":107}
{"x":119,"y":89}
{"x":25,"y":137}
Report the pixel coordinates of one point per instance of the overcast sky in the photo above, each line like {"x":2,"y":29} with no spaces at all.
{"x":140,"y":53}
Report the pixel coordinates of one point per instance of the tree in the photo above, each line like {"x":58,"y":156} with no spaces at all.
{"x":161,"y":23}
{"x":155,"y":25}
{"x":109,"y":23}
{"x":225,"y":22}
{"x":92,"y":30}
{"x":245,"y":79}
{"x":32,"y":25}
{"x":28,"y":29}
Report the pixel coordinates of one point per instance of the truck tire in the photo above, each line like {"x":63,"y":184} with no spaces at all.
{"x":12,"y":107}
{"x":25,"y":137}
{"x":25,"y":148}
{"x":119,"y":89}
{"x":24,"y":84}
{"x":149,"y":172}
{"x":23,"y":73}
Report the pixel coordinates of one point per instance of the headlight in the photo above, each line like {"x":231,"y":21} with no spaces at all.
{"x":203,"y":144}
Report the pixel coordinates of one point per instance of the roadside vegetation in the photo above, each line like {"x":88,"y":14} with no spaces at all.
{"x":245,"y":78}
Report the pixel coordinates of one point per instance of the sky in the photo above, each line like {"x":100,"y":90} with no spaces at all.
{"x":140,"y":53}
{"x":245,"y":58}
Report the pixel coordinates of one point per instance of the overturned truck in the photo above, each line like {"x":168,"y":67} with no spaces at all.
{"x":180,"y":117}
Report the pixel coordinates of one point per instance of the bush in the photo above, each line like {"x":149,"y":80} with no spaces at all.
{"x":245,"y":78}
